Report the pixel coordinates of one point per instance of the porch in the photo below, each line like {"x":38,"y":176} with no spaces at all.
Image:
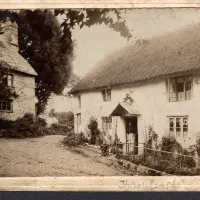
{"x":128,"y":130}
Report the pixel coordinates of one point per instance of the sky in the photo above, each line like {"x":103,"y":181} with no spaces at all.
{"x":94,"y":43}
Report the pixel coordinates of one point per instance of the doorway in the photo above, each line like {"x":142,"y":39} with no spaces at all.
{"x":131,"y":134}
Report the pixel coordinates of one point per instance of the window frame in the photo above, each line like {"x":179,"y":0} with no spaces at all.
{"x":107,"y":123}
{"x":8,"y":75}
{"x":173,"y":94}
{"x":6,"y":110}
{"x":178,"y":134}
{"x":106,"y":93}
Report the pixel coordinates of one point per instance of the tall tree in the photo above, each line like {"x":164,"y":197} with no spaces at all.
{"x":41,"y":43}
{"x":48,"y":46}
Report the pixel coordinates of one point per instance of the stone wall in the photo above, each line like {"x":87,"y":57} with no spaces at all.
{"x":25,"y":88}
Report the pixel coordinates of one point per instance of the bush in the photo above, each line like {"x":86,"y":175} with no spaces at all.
{"x":73,"y":139}
{"x":170,"y":144}
{"x":151,"y":141}
{"x":22,"y":127}
{"x":93,"y":127}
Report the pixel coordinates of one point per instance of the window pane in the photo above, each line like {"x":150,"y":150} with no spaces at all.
{"x":108,"y":94}
{"x":178,"y":127}
{"x":185,"y":127}
{"x":172,"y":90}
{"x":171,"y":125}
{"x":180,"y":91}
{"x":188,"y":88}
{"x":5,"y":105}
{"x":5,"y":80}
{"x":9,"y":80}
{"x":104,"y":95}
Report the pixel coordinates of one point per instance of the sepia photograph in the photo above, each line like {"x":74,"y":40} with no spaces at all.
{"x":99,"y":92}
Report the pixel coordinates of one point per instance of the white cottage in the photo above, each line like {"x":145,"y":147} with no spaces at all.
{"x":153,"y":82}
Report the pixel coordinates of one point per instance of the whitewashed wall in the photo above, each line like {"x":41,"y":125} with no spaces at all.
{"x":152,"y":102}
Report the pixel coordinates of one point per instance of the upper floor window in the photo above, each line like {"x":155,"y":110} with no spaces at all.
{"x":6,"y":79}
{"x":178,"y":126}
{"x":6,"y":105}
{"x":106,"y":94}
{"x":79,"y":101}
{"x":180,"y":88}
{"x":106,"y":123}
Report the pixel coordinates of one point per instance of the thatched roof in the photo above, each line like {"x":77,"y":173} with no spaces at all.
{"x":172,"y":53}
{"x":10,"y":56}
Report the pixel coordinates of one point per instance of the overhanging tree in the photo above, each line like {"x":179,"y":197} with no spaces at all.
{"x":48,"y":46}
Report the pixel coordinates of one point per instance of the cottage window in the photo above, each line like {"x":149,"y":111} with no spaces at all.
{"x":78,"y":121}
{"x":178,"y":126}
{"x":6,"y":79}
{"x":106,"y":123}
{"x":5,"y":105}
{"x":106,"y":95}
{"x":180,"y":88}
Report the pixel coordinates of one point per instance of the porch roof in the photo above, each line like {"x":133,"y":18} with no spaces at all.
{"x":125,"y":109}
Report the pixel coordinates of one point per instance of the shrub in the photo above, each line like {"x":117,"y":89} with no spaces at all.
{"x":93,"y":127}
{"x":170,"y":144}
{"x":151,"y":141}
{"x":198,"y":144}
{"x":22,"y":127}
{"x":66,"y":118}
{"x":188,"y":161}
{"x":73,"y":139}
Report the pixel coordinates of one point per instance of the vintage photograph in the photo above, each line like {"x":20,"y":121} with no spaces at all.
{"x":100,"y":92}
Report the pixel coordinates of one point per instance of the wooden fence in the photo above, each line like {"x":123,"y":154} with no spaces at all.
{"x":149,"y":155}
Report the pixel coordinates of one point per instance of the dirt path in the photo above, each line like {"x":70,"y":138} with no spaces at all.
{"x":46,"y":157}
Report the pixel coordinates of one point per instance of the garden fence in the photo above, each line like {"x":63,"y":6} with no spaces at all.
{"x":162,"y":160}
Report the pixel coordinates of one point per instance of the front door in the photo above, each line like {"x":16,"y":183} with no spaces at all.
{"x":131,"y":135}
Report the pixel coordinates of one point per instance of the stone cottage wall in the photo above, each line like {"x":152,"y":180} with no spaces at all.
{"x":25,"y":87}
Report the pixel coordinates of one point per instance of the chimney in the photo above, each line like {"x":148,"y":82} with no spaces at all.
{"x":10,"y":32}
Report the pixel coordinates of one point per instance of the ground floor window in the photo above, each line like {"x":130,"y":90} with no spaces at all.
{"x":106,"y":123}
{"x":178,"y":126}
{"x":6,"y":105}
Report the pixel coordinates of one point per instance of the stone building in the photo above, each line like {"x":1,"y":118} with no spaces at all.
{"x":151,"y":83}
{"x":18,"y":77}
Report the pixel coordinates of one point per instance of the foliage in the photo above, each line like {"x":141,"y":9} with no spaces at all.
{"x":22,"y":127}
{"x":93,"y":127}
{"x":5,"y":91}
{"x":128,"y":99}
{"x":58,"y":129}
{"x":104,"y":149}
{"x":41,"y":43}
{"x":152,"y":138}
{"x":170,"y":144}
{"x":93,"y":124}
{"x":90,"y":17}
{"x":65,"y":118}
{"x":198,"y":144}
{"x":73,"y":139}
{"x":48,"y":46}
{"x":28,"y":126}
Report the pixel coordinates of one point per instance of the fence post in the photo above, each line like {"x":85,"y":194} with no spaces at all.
{"x":181,"y":163}
{"x":116,"y":149}
{"x":154,"y":155}
{"x":144,"y":152}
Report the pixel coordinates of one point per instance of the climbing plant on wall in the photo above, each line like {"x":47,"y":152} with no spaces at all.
{"x":5,"y":91}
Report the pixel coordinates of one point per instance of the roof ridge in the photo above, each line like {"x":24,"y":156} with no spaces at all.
{"x":172,"y":54}
{"x":166,"y":32}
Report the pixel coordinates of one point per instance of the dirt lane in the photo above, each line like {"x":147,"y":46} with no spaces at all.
{"x":46,"y":157}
